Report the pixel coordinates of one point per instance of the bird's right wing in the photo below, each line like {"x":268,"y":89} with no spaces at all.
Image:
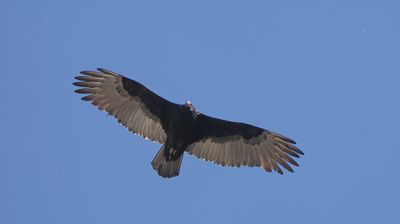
{"x":134,"y":106}
{"x":237,"y":144}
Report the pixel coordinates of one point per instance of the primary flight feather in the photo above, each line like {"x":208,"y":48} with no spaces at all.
{"x":180,"y":128}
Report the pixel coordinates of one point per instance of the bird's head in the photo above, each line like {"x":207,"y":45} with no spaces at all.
{"x":190,"y":106}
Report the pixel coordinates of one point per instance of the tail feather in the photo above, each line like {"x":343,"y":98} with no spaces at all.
{"x":164,"y":168}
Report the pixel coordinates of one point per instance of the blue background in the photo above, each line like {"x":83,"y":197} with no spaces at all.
{"x":325,"y":73}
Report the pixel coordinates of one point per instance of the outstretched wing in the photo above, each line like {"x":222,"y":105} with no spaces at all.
{"x":237,"y":144}
{"x":134,"y":106}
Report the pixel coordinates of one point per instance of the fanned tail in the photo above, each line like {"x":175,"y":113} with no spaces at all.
{"x":164,"y":168}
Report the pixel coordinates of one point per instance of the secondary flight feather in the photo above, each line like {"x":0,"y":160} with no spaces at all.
{"x":181,"y":128}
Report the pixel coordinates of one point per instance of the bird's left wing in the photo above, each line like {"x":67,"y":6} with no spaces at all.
{"x":237,"y":144}
{"x":134,"y":106}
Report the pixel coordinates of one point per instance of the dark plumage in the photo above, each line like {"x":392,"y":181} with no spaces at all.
{"x":181,"y":128}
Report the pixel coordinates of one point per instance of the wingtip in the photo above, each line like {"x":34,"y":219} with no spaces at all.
{"x":91,"y":73}
{"x":294,"y":163}
{"x":290,"y":140}
{"x":299,"y":151}
{"x":284,"y":138}
{"x":84,"y":91}
{"x":86,"y":72}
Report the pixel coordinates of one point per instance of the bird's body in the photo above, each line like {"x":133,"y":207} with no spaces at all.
{"x":180,"y":131}
{"x":181,"y":128}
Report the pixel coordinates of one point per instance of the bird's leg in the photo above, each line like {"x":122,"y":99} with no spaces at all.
{"x":171,"y":153}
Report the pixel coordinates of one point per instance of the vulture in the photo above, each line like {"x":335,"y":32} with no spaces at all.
{"x":181,"y":128}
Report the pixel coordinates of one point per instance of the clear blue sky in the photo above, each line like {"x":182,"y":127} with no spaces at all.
{"x":325,"y":73}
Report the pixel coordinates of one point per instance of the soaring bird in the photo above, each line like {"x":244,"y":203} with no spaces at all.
{"x":181,"y":128}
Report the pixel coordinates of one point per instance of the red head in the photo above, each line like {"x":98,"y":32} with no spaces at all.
{"x":189,"y":104}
